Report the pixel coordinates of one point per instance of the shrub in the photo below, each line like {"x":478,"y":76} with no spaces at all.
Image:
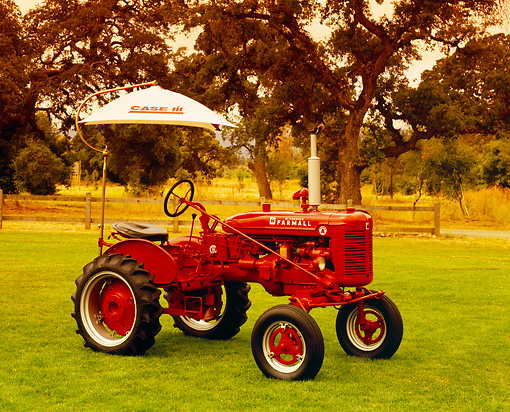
{"x":496,"y":163}
{"x":38,"y":170}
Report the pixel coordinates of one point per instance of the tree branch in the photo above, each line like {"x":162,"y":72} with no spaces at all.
{"x":399,"y":145}
{"x":283,"y":20}
{"x":372,"y":27}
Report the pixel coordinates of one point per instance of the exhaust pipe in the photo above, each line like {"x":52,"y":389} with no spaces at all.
{"x":314,"y":170}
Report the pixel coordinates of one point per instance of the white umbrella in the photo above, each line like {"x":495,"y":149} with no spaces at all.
{"x":148,"y":106}
{"x":156,"y":105}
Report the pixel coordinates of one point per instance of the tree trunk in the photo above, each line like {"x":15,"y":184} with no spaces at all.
{"x":350,"y":182}
{"x":460,"y":197}
{"x":258,"y":167}
{"x":349,"y":164}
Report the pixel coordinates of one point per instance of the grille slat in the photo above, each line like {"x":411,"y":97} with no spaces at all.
{"x":358,"y":253}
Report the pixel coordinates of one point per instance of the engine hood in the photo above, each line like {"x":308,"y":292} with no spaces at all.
{"x":295,"y":223}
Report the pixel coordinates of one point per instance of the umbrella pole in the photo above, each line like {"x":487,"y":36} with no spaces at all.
{"x":103,"y":202}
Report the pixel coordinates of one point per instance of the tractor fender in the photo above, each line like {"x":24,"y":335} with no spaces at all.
{"x":156,"y":260}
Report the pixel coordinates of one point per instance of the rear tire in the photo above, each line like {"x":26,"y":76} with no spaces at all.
{"x":116,"y":306}
{"x":287,"y":344}
{"x":230,"y":319}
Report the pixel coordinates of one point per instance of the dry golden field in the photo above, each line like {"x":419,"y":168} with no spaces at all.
{"x":488,"y":207}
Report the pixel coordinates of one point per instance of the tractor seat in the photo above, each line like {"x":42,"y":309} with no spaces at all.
{"x":141,"y":231}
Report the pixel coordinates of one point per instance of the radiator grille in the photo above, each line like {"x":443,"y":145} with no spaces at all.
{"x":358,"y":253}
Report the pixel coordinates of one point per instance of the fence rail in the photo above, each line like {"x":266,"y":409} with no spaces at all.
{"x":88,"y":220}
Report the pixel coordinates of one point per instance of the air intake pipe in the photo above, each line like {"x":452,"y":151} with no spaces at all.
{"x":314,"y":170}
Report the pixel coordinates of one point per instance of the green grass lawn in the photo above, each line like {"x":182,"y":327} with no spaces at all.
{"x":452,"y":293}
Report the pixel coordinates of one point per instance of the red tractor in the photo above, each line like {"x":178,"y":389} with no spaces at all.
{"x":318,"y":259}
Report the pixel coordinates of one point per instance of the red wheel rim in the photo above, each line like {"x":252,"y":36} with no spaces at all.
{"x":118,"y":307}
{"x":373,"y":329}
{"x":108,"y":309}
{"x":284,"y":347}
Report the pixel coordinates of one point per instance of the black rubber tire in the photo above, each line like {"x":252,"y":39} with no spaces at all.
{"x":287,"y":343}
{"x":115,"y":293}
{"x":230,"y":320}
{"x":178,"y":211}
{"x":380,"y":343}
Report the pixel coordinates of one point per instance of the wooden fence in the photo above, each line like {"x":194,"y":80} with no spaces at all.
{"x":88,"y":220}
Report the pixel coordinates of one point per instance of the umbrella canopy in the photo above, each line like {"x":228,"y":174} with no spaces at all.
{"x":156,"y":105}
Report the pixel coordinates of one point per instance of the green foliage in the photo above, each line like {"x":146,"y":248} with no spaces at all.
{"x":385,"y":177}
{"x":462,"y":101}
{"x":449,"y":168}
{"x":441,"y":168}
{"x":474,"y":78}
{"x":7,"y":183}
{"x":284,"y":160}
{"x":464,"y":98}
{"x":38,"y":170}
{"x":411,"y":178}
{"x":430,"y":107}
{"x":271,"y":64}
{"x":241,"y":173}
{"x":202,"y":155}
{"x":62,"y":51}
{"x":496,"y":163}
{"x":256,"y":60}
{"x":15,"y":65}
{"x":142,"y":156}
{"x":92,"y":45}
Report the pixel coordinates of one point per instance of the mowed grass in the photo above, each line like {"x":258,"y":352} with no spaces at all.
{"x":453,"y":295}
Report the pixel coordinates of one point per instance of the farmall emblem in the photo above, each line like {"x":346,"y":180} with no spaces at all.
{"x":323,"y":230}
{"x":289,"y":222}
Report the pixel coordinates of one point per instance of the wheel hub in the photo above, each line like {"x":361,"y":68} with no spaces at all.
{"x":117,"y":307}
{"x":370,"y":331}
{"x":285,"y":345}
{"x":114,"y":308}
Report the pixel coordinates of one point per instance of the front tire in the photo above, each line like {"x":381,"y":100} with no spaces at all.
{"x":229,"y":320}
{"x":287,"y":344}
{"x":378,"y":337}
{"x":116,"y":306}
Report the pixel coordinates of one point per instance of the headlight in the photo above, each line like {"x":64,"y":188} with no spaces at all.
{"x":319,"y":264}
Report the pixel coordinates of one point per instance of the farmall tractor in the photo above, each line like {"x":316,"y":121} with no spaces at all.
{"x":318,"y":259}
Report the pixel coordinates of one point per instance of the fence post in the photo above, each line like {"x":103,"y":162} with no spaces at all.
{"x":1,"y":207}
{"x":349,"y":203}
{"x":437,"y":228}
{"x":88,"y":210}
{"x":176,"y":218}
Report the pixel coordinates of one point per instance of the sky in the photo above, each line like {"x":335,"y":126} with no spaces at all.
{"x":26,"y":5}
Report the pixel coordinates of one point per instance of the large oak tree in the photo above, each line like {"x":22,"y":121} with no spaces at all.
{"x":341,"y":73}
{"x":64,"y":50}
{"x":462,"y":102}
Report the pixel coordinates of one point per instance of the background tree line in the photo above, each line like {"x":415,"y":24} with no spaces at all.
{"x":258,"y":64}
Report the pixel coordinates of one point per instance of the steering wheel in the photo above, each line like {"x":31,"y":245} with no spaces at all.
{"x":187,"y":189}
